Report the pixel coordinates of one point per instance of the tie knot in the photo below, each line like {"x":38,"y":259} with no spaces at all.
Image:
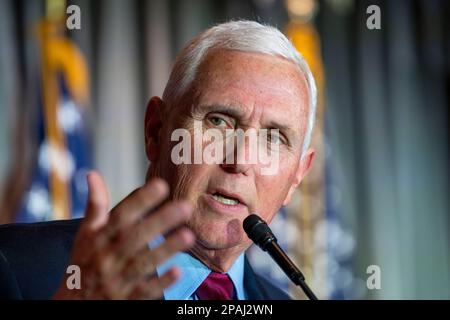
{"x":217,"y":286}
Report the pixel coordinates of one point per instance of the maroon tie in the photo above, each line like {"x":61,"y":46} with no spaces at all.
{"x":217,"y":286}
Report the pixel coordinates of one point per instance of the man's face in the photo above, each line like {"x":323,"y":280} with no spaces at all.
{"x":238,"y":90}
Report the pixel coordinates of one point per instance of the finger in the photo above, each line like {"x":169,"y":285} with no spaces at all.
{"x":154,"y":287}
{"x":101,"y":244}
{"x":96,"y":214}
{"x":147,"y":261}
{"x":105,"y":265}
{"x":96,"y":217}
{"x":137,"y":204}
{"x":170,"y":216}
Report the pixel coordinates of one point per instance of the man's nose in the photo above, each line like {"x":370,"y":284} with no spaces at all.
{"x":239,"y":159}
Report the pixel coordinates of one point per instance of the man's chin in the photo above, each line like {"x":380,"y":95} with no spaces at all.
{"x":214,"y":229}
{"x":218,"y":241}
{"x":219,"y":238}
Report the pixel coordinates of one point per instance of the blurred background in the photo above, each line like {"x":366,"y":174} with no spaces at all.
{"x":74,"y":87}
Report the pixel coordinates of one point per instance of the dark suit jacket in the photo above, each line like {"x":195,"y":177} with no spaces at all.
{"x":34,"y":258}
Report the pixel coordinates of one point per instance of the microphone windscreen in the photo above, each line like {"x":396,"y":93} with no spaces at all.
{"x":258,"y":230}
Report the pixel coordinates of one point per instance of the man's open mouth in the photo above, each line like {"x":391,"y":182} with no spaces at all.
{"x":225,"y":199}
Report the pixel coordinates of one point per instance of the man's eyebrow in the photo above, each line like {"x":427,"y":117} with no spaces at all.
{"x":233,"y":111}
{"x":286,"y":129}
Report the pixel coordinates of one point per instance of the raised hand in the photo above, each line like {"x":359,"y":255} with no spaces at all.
{"x":111,"y":248}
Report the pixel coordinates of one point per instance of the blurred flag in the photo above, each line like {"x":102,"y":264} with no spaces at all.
{"x":57,"y":188}
{"x":307,"y":209}
{"x":322,"y":248}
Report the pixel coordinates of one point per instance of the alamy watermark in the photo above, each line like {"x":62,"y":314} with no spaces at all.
{"x":373,"y":22}
{"x":73,"y":21}
{"x":230,"y":146}
{"x":73,"y":281}
{"x":374,"y":280}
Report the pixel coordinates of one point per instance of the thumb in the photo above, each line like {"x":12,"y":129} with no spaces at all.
{"x":96,"y":214}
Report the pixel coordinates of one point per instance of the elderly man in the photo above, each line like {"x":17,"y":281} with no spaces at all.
{"x":180,"y":235}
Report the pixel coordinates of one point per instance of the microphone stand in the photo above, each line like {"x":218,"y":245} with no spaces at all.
{"x":289,"y":268}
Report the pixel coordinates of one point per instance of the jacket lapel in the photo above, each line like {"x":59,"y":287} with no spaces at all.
{"x":252,"y":286}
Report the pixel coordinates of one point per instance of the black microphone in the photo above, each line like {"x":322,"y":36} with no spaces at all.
{"x":259,"y":232}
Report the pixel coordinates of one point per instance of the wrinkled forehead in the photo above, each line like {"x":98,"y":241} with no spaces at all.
{"x":253,"y":80}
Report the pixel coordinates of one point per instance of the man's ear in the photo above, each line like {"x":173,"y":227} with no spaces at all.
{"x":153,"y":125}
{"x":304,"y":166}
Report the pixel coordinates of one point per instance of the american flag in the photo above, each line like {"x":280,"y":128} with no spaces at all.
{"x":70,"y":163}
{"x":57,"y":186}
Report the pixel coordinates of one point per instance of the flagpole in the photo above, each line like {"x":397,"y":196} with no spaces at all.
{"x":300,"y":30}
{"x":58,"y":184}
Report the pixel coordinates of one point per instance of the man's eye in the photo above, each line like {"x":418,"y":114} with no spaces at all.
{"x":274,"y":138}
{"x":218,"y":122}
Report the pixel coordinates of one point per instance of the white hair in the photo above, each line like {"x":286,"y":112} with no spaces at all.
{"x":246,"y":36}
